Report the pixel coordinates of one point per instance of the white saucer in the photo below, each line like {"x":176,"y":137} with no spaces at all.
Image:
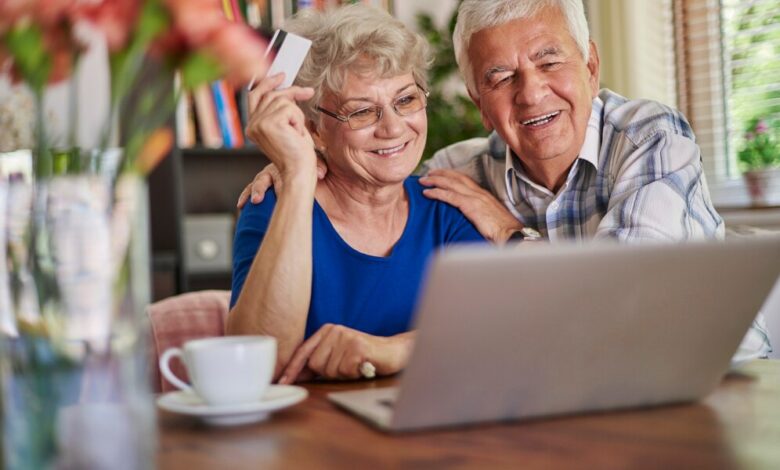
{"x":275,"y":398}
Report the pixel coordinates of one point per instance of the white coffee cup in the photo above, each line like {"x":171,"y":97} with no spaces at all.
{"x":225,"y":370}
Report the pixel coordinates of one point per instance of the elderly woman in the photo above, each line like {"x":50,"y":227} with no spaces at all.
{"x":340,"y":259}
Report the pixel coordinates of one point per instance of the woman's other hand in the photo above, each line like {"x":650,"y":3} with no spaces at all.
{"x":336,"y":352}
{"x":277,"y":125}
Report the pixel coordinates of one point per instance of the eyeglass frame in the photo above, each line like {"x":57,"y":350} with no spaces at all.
{"x":344,"y":118}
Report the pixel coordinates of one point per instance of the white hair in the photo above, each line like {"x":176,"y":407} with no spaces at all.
{"x":356,"y":38}
{"x":476,"y":15}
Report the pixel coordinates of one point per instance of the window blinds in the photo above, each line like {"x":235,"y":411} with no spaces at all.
{"x":728,"y":73}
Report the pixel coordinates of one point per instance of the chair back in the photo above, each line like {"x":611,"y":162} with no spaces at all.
{"x":181,"y":318}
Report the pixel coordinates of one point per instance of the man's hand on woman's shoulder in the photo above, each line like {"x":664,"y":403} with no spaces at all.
{"x":488,"y":214}
{"x":269,"y":177}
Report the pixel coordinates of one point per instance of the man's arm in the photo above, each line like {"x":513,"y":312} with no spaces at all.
{"x":659,"y":193}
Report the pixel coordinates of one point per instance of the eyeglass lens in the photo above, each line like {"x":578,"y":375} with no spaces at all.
{"x":403,"y":106}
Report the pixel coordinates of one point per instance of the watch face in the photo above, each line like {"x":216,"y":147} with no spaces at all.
{"x":516,"y":236}
{"x":530,"y":233}
{"x":525,"y":234}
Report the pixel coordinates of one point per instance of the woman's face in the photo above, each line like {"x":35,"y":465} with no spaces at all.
{"x":384,"y":153}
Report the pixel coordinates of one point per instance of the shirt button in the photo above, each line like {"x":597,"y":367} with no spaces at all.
{"x":554,"y":206}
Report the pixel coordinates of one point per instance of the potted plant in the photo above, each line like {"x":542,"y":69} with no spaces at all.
{"x":759,"y":157}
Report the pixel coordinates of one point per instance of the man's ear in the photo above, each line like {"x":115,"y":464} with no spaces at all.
{"x":594,"y":69}
{"x":485,"y":121}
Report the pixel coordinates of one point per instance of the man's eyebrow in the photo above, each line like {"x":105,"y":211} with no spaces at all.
{"x":492,"y":71}
{"x":547,"y":51}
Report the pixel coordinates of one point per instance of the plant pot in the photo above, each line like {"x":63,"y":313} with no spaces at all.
{"x":763,"y":186}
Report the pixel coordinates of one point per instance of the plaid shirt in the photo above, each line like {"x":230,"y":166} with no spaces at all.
{"x":638,"y":178}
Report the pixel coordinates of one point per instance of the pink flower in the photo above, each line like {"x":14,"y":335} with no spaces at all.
{"x":59,"y":43}
{"x":197,"y":20}
{"x":761,"y":127}
{"x":44,"y":12}
{"x":55,"y":18}
{"x":240,"y":51}
{"x":114,"y":18}
{"x":12,"y":11}
{"x":202,"y":25}
{"x":55,"y":12}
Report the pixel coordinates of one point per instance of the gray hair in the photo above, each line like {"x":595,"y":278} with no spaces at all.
{"x":476,"y":15}
{"x":355,"y":38}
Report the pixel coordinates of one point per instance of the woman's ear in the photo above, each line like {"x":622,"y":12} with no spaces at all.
{"x":319,"y":144}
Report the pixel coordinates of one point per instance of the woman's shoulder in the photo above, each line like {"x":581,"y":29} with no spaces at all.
{"x":423,"y":205}
{"x":261,"y":210}
{"x":414,"y":188}
{"x":438,"y":216}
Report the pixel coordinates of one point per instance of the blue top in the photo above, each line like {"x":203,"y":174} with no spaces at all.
{"x":376,"y":295}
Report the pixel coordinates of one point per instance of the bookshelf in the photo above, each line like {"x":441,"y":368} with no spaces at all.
{"x":194,"y":191}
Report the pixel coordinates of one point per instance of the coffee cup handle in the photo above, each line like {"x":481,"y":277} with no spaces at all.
{"x":165,"y":368}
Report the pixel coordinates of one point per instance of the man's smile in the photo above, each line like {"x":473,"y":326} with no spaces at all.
{"x":541,"y":120}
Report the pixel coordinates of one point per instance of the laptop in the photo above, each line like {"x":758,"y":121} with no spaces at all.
{"x":538,"y":331}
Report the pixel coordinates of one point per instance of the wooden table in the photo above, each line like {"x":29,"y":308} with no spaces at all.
{"x":737,"y":426}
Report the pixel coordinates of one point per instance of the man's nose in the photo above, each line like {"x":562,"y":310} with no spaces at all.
{"x":531,"y":89}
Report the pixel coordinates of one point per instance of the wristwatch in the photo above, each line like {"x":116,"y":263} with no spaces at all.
{"x":525,"y":234}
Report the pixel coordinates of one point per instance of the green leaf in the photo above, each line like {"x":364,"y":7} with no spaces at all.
{"x":199,"y":68}
{"x":153,"y":20}
{"x":26,"y":46}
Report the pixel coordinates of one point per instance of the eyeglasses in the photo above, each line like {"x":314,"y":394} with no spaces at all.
{"x":364,"y":117}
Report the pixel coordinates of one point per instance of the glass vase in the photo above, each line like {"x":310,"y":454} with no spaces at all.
{"x":76,"y":393}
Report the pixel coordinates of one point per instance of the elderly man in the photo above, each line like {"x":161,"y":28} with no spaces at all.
{"x":565,"y":160}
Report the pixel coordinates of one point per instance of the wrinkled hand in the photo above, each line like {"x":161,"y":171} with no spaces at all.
{"x":278,"y":127}
{"x":489,"y":216}
{"x":336,"y":352}
{"x":268,"y":177}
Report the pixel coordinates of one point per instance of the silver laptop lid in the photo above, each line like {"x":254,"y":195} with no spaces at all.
{"x":546,"y":330}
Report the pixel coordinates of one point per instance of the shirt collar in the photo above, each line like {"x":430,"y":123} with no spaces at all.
{"x":590,"y":148}
{"x":589,"y":152}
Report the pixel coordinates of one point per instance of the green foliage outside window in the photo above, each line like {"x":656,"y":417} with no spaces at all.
{"x":755,"y":89}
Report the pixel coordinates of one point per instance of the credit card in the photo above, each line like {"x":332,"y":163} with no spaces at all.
{"x":289,"y":51}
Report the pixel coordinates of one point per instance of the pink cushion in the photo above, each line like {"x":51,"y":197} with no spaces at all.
{"x":179,"y":319}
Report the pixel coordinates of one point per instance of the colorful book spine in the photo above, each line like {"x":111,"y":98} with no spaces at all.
{"x":228,"y":10}
{"x":185,"y":124}
{"x":234,"y":117}
{"x":208,"y":126}
{"x":277,"y":13}
{"x":227,"y":114}
{"x":236,"y":10}
{"x":257,"y":14}
{"x":222,"y":115}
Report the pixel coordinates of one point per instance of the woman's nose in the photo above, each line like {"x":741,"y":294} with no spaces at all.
{"x":391,"y":124}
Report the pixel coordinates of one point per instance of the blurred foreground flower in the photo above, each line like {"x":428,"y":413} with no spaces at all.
{"x":77,"y":237}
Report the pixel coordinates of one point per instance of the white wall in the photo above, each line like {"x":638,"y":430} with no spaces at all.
{"x":636,"y":46}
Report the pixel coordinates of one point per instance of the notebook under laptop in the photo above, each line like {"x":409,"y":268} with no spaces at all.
{"x":551,"y":330}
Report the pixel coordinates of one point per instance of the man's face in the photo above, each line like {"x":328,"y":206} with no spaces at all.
{"x":534,"y":87}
